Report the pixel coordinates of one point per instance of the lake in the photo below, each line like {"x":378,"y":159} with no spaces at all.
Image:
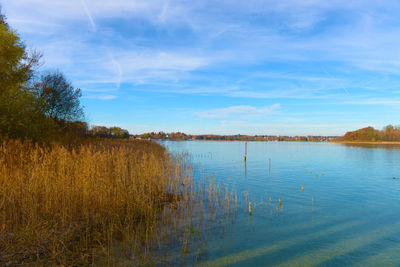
{"x":340,"y":204}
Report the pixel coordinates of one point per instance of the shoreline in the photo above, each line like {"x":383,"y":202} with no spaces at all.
{"x":338,"y":142}
{"x":343,"y":142}
{"x":368,"y":142}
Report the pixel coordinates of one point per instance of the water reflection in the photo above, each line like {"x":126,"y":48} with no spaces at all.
{"x":371,"y":145}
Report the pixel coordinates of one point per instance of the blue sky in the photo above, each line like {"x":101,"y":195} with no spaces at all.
{"x":287,"y":67}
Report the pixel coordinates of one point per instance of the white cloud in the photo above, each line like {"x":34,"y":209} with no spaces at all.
{"x":118,"y":70}
{"x":361,"y":42}
{"x":239,"y":111}
{"x":224,"y":33}
{"x":101,"y":96}
{"x":136,"y":61}
{"x":373,"y":101}
{"x":89,"y":15}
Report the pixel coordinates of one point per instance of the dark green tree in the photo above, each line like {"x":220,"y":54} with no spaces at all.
{"x":20,"y":112}
{"x":118,"y":132}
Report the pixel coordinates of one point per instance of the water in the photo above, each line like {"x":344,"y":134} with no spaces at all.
{"x":348,"y":213}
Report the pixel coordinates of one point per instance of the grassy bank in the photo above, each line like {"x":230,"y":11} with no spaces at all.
{"x":74,"y":205}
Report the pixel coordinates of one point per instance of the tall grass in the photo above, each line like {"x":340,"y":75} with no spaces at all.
{"x":95,"y":203}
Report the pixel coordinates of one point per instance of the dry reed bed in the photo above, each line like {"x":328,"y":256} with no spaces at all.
{"x":104,"y":202}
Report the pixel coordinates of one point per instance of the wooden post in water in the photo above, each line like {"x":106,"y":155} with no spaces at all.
{"x":312,"y":199}
{"x":245,"y":167}
{"x":269,"y":166}
{"x":245,"y":151}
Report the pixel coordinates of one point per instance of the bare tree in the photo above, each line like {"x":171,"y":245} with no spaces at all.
{"x":61,"y":101}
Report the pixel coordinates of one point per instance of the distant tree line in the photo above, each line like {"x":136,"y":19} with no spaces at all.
{"x":39,"y":106}
{"x":112,"y":132}
{"x":369,"y":134}
{"x":182,"y":136}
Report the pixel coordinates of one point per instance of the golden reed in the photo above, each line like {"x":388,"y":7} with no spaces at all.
{"x":73,"y":205}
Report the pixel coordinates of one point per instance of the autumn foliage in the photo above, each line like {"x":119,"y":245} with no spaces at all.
{"x":369,"y":134}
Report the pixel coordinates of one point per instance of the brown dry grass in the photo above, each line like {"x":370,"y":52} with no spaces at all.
{"x":73,"y":206}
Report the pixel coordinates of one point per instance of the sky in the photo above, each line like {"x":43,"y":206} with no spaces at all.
{"x":284,"y":67}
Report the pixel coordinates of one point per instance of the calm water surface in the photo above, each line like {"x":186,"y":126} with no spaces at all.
{"x":348,"y":213}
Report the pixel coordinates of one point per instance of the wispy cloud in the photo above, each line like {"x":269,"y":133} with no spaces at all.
{"x":239,"y":111}
{"x":311,"y":55}
{"x":373,"y":101}
{"x":89,"y":15}
{"x":248,"y":29}
{"x":119,"y":71}
{"x":101,"y":96}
